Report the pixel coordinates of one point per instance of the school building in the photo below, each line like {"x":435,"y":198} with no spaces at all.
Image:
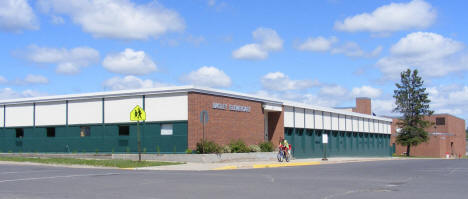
{"x":100,"y":122}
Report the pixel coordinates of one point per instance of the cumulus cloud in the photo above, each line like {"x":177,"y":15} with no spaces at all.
{"x":68,"y":61}
{"x":352,"y":49}
{"x":366,"y":91}
{"x":319,"y":44}
{"x":118,"y":19}
{"x":130,"y":82}
{"x":17,"y":15}
{"x":207,"y":76}
{"x":333,"y":91}
{"x":278,"y":81}
{"x":36,"y":79}
{"x":129,"y":62}
{"x":433,"y":54}
{"x":8,"y":93}
{"x":390,"y":18}
{"x":266,"y":40}
{"x":452,"y":99}
{"x":3,"y":80}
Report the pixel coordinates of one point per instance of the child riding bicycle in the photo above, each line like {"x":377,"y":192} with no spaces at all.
{"x":284,"y":146}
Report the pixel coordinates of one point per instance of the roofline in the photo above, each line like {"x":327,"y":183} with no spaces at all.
{"x":181,"y":89}
{"x":137,"y":92}
{"x":332,"y":110}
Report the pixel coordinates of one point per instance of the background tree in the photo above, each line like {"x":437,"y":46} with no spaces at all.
{"x":411,"y":100}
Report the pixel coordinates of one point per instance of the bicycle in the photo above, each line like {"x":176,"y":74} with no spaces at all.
{"x":283,"y":156}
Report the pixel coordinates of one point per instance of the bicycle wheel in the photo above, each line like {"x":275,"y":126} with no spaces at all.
{"x":280,"y":156}
{"x":287,"y":157}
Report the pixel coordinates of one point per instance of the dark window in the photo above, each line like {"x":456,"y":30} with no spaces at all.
{"x":50,"y":132}
{"x":124,"y":130}
{"x":85,"y":131}
{"x":440,"y":120}
{"x":19,"y":133}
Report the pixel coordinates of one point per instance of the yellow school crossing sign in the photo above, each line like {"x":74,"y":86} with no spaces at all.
{"x":137,"y":114}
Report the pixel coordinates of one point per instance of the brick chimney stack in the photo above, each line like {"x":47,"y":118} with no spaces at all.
{"x":363,"y":105}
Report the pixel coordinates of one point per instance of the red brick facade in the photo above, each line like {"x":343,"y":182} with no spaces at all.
{"x":226,"y":125}
{"x":275,"y":126}
{"x":453,"y":131}
{"x":363,"y":105}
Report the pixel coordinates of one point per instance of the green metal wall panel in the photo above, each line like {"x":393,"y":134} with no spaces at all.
{"x":102,"y":138}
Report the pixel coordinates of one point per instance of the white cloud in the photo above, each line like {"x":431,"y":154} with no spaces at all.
{"x":3,"y":80}
{"x":384,"y":107}
{"x":250,"y":52}
{"x":8,"y":93}
{"x":333,"y":91}
{"x":208,"y":76}
{"x":57,"y":20}
{"x":278,"y":81}
{"x":130,"y":82}
{"x":119,"y":19}
{"x":17,"y":15}
{"x":366,"y":91}
{"x":267,"y":40}
{"x":69,"y":61}
{"x":352,"y":49}
{"x":317,"y":44}
{"x":36,"y":79}
{"x":432,"y":54}
{"x":391,"y":18}
{"x":129,"y":62}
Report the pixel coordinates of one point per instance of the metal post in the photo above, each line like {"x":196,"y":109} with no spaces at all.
{"x":139,"y":141}
{"x":203,"y":138}
{"x":325,"y":142}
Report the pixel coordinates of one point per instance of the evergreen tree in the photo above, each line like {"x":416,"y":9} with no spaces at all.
{"x":411,"y":100}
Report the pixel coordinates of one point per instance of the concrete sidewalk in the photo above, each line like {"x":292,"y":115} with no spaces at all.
{"x":259,"y":164}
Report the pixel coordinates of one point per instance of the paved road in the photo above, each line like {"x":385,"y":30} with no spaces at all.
{"x":382,"y":179}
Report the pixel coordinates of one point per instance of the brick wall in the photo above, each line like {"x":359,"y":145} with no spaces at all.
{"x":275,"y":126}
{"x":224,"y":125}
{"x":438,"y":145}
{"x":363,"y":105}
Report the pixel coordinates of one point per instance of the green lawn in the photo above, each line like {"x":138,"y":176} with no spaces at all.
{"x":101,"y":163}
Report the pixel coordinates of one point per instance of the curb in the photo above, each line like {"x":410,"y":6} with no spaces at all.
{"x":226,"y":168}
{"x":291,"y":164}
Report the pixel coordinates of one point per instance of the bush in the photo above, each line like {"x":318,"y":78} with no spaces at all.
{"x":254,"y":148}
{"x":188,"y":151}
{"x":266,"y":146}
{"x":208,"y":147}
{"x":238,"y":146}
{"x":227,"y":149}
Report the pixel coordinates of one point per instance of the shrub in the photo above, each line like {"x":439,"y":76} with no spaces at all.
{"x":208,"y":147}
{"x":188,"y":151}
{"x":227,"y":149}
{"x":238,"y":146}
{"x":266,"y":146}
{"x":254,"y":148}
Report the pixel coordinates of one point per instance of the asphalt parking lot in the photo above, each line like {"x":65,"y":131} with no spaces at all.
{"x":418,"y":178}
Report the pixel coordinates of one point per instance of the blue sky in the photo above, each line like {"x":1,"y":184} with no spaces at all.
{"x":318,"y":52}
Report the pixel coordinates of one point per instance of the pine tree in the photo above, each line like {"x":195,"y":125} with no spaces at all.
{"x":411,"y":100}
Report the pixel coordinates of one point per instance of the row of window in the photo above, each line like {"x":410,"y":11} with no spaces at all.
{"x":85,"y":131}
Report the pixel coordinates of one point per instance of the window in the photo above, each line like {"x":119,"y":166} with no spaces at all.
{"x":19,"y":133}
{"x":124,"y":130}
{"x":440,"y":120}
{"x":166,"y":129}
{"x":50,"y":132}
{"x":85,"y":131}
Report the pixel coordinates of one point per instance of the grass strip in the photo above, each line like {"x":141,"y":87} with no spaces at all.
{"x":89,"y":162}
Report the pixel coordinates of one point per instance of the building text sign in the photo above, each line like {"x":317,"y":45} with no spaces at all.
{"x":231,"y":107}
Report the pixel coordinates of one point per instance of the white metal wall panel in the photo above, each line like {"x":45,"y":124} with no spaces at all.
{"x":342,"y":122}
{"x":299,"y":117}
{"x":366,"y":125}
{"x":371,"y":126}
{"x":166,"y":107}
{"x":387,"y":130}
{"x":51,"y":113}
{"x":1,"y":116}
{"x":309,"y":119}
{"x":376,"y":126}
{"x":382,"y":130}
{"x":379,"y":128}
{"x":318,"y":120}
{"x":361,"y":124}
{"x":326,"y":120}
{"x":335,"y":124}
{"x":85,"y":111}
{"x":117,"y":110}
{"x":349,"y":123}
{"x":355,"y":124}
{"x":19,"y":115}
{"x":288,"y":117}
